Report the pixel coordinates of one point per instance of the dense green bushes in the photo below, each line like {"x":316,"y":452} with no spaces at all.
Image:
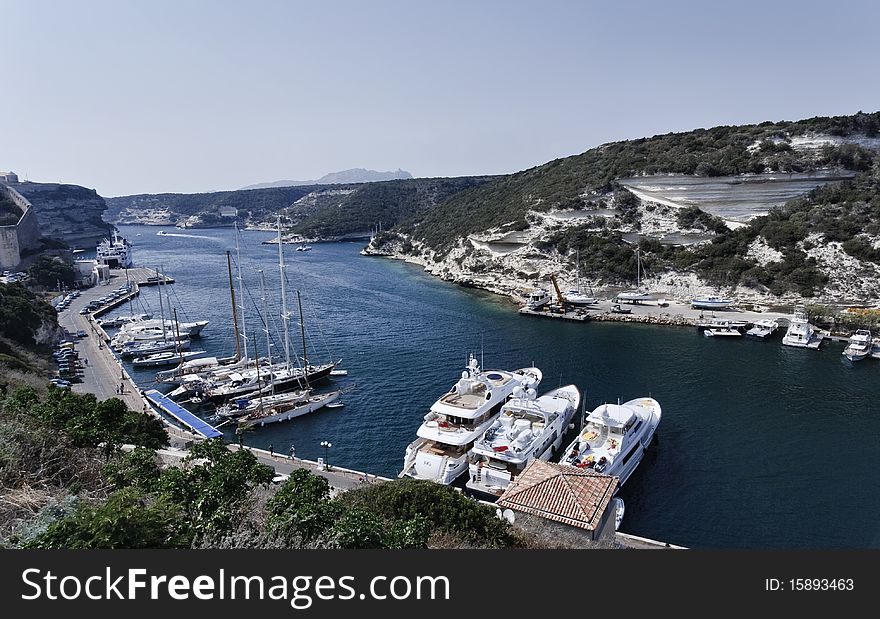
{"x":22,"y":314}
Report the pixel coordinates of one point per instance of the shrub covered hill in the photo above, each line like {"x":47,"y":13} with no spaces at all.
{"x":811,"y":227}
{"x":512,"y":232}
{"x":316,"y":212}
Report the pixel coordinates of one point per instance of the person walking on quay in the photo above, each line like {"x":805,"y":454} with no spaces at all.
{"x":271,"y":451}
{"x":292,"y":452}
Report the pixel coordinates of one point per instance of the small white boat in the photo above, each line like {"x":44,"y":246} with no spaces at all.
{"x":339,"y":373}
{"x":725,"y":331}
{"x":711,"y":303}
{"x":575,"y":297}
{"x":335,"y":405}
{"x":721,"y":323}
{"x":860,"y":345}
{"x":763,"y":328}
{"x":619,"y":510}
{"x":538,"y":298}
{"x":161,"y":233}
{"x":303,"y":247}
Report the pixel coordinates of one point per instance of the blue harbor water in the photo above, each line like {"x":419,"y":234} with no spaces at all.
{"x":760,"y":445}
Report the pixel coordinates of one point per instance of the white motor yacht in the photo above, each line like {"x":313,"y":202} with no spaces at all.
{"x":614,"y":438}
{"x":860,"y":345}
{"x":800,"y":332}
{"x":458,"y":418}
{"x":528,"y":428}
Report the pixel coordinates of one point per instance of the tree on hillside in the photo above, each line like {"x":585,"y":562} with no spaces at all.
{"x":49,"y":272}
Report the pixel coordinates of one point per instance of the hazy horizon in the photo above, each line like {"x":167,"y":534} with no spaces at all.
{"x":187,"y":97}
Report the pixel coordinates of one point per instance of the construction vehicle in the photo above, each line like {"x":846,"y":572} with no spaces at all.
{"x":560,"y":305}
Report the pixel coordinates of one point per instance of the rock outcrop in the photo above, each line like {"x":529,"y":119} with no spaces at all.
{"x":68,"y":213}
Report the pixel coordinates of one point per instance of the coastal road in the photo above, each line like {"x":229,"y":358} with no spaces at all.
{"x":100,"y":372}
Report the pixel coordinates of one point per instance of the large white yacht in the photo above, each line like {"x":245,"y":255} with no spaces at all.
{"x":115,"y":252}
{"x":528,"y":428}
{"x":458,"y":418}
{"x":800,"y":332}
{"x":860,"y":345}
{"x":184,"y":329}
{"x":614,"y":438}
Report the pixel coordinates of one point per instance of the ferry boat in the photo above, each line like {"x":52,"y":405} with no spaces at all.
{"x":458,"y":418}
{"x":114,"y":252}
{"x":528,"y":428}
{"x":614,"y":438}
{"x":800,"y":332}
{"x":860,"y":345}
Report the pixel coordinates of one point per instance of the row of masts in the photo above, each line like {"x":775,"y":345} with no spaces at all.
{"x":241,"y":341}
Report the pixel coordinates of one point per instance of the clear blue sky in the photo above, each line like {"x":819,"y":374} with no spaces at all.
{"x":189,"y":96}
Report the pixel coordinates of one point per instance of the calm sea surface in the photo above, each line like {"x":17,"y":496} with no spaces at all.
{"x":759,"y":446}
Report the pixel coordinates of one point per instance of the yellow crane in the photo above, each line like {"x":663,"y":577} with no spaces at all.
{"x":559,"y":298}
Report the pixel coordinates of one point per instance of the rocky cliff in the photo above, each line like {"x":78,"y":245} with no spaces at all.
{"x":68,"y":213}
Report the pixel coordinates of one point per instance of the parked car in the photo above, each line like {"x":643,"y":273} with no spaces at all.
{"x":81,"y":333}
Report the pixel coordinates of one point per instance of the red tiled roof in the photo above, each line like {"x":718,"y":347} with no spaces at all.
{"x":560,"y":492}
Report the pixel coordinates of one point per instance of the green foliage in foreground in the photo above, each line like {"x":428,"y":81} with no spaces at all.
{"x":443,"y":509}
{"x":107,"y":424}
{"x":22,"y":313}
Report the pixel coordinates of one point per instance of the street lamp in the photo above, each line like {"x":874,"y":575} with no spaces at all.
{"x":326,"y":445}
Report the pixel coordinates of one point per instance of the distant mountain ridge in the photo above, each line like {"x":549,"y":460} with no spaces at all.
{"x":354,"y":175}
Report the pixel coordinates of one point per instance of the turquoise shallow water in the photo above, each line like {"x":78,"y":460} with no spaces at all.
{"x":760,"y":445}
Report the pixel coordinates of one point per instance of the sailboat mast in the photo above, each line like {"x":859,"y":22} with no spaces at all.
{"x":234,"y":311}
{"x":268,"y":339}
{"x":161,"y":307}
{"x":177,"y":345}
{"x":302,"y":330}
{"x":638,"y":268}
{"x":244,"y":342}
{"x":285,"y":317}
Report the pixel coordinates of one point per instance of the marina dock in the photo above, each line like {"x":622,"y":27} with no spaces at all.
{"x":676,"y":314}
{"x":170,"y":407}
